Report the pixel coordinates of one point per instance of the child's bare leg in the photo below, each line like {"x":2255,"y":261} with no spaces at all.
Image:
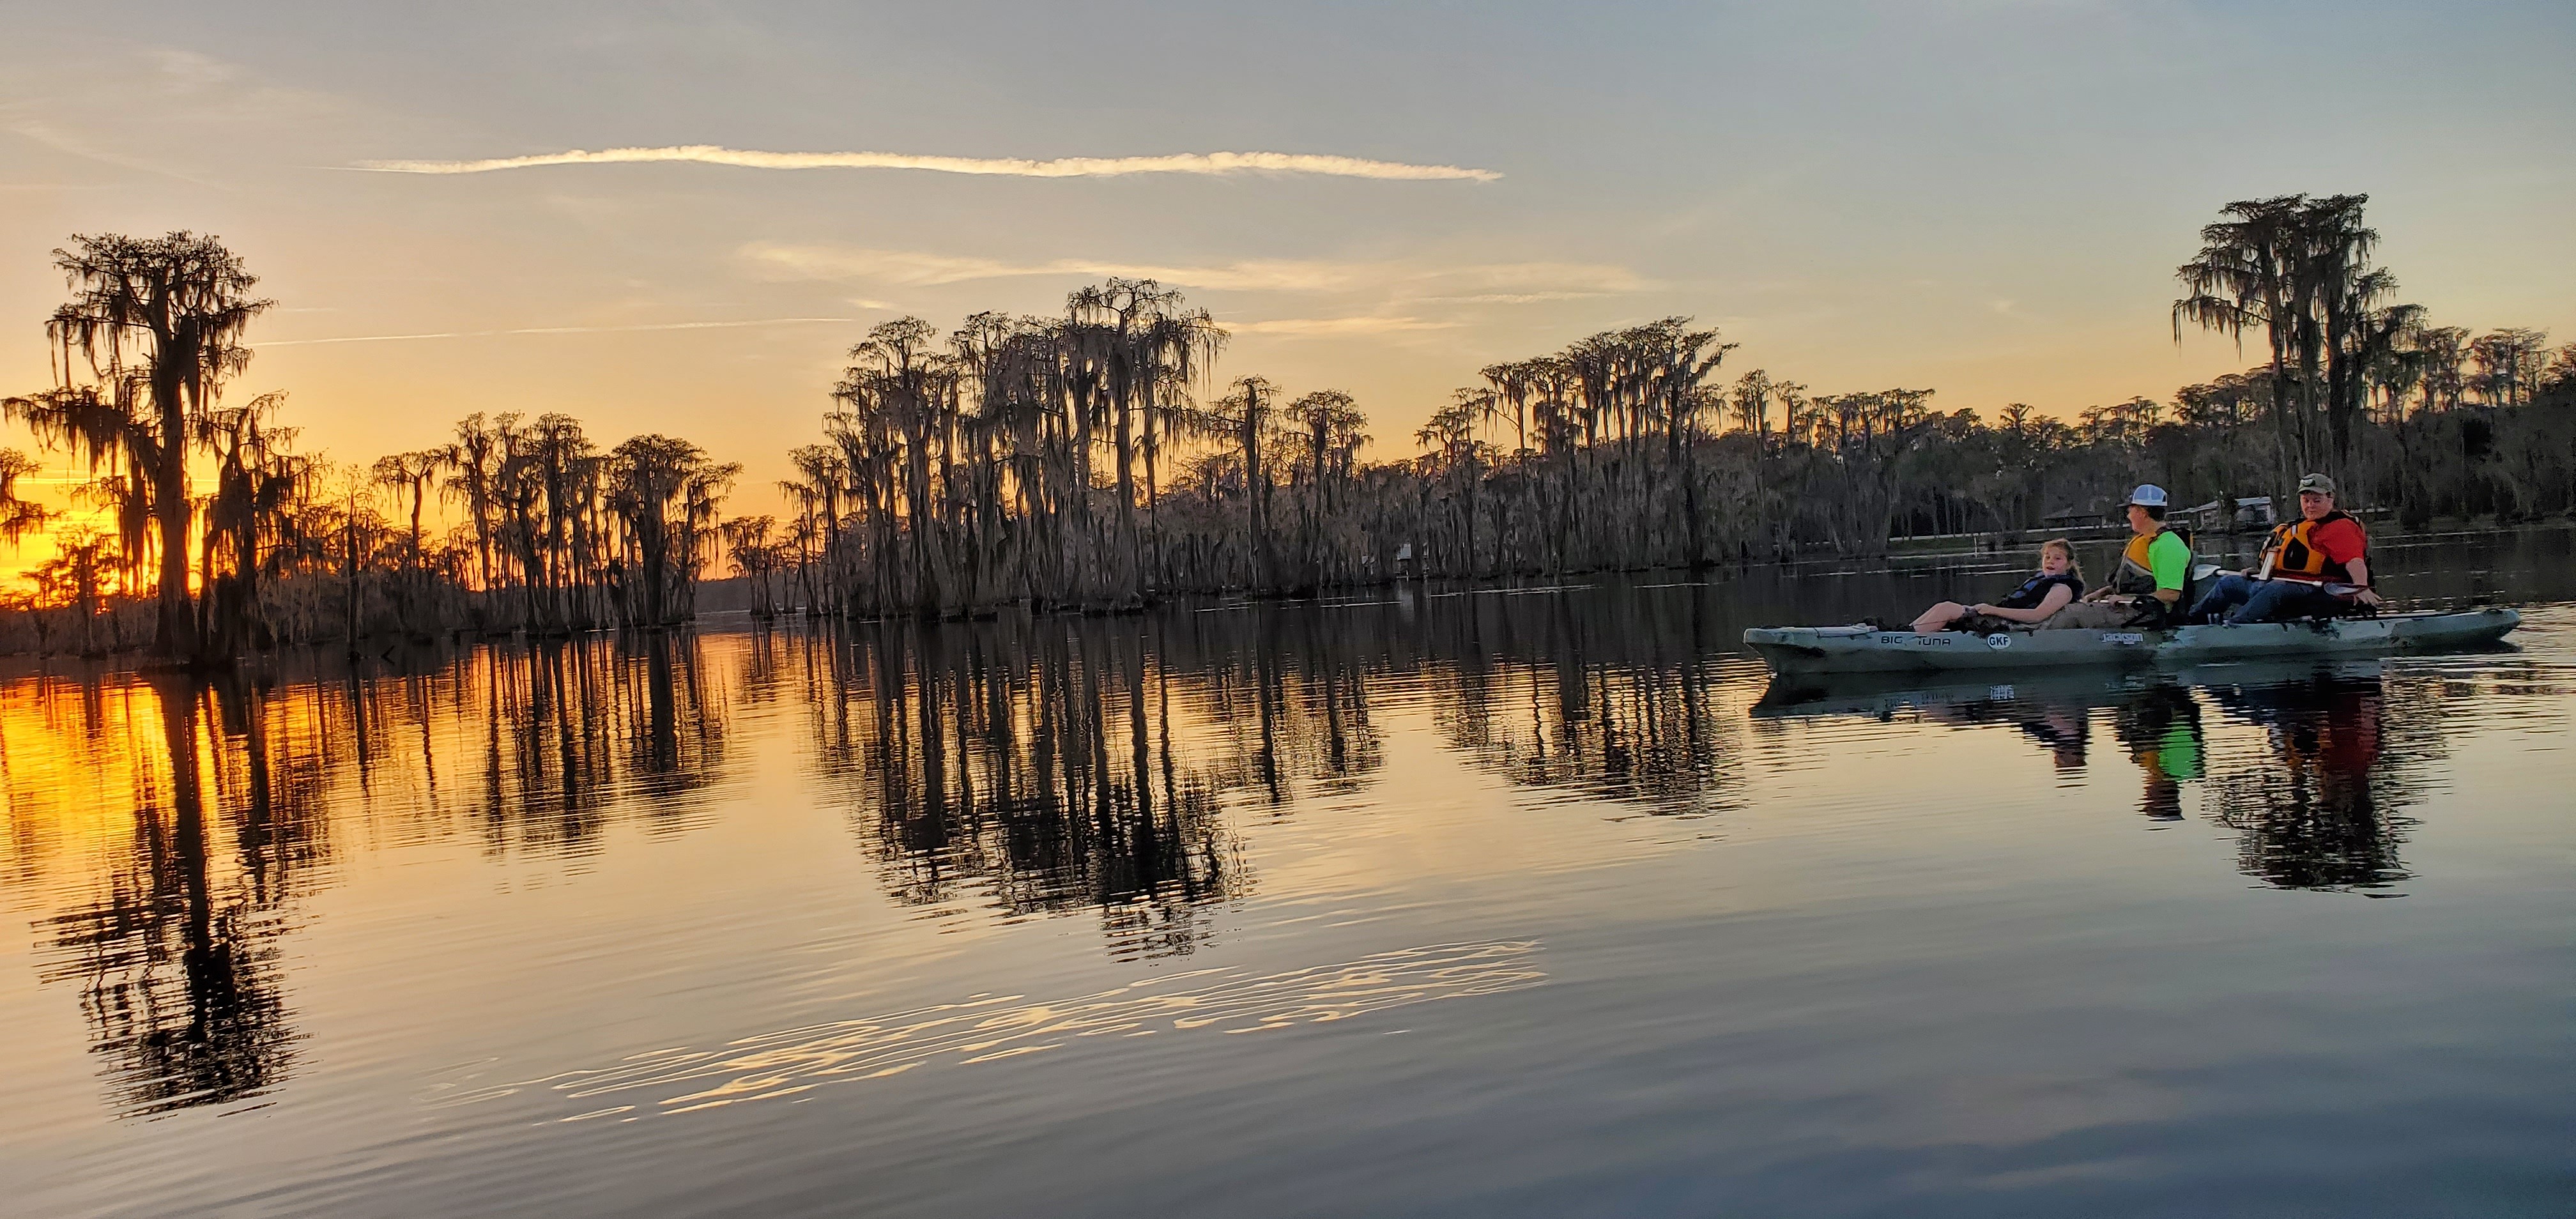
{"x":1935,"y":619}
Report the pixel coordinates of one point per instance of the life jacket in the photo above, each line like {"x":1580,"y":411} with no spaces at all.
{"x":2137,"y":578}
{"x":2292,"y":553}
{"x":2035,"y":590}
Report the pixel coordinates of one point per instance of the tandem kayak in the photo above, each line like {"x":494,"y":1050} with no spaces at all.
{"x":1863,"y":649}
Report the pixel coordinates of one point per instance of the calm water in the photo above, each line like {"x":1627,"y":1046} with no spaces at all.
{"x":1525,"y":902}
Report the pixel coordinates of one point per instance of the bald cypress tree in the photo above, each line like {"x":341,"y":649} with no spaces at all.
{"x":153,"y":330}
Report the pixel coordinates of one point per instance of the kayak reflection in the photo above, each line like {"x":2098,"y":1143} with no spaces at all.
{"x":2313,"y":793}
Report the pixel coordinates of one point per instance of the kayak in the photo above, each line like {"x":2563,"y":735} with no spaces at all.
{"x":1865,"y":649}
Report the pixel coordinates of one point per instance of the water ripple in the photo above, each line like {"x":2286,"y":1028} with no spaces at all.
{"x":989,"y":1028}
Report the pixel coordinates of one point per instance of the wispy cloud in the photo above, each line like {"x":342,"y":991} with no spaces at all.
{"x":1300,"y":327}
{"x":74,"y":145}
{"x":475,"y":334}
{"x":1406,"y":279}
{"x":1205,"y":163}
{"x":1515,"y":298}
{"x":918,"y":269}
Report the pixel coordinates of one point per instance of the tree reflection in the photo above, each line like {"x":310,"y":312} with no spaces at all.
{"x":1611,"y":697}
{"x":1044,"y":769}
{"x":1060,"y":765}
{"x":175,"y":954}
{"x":1100,"y":768}
{"x":234,"y":786}
{"x":575,"y":729}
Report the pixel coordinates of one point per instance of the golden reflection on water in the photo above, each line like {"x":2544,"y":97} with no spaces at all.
{"x":990,"y":1028}
{"x":167,"y":827}
{"x":171,"y":943}
{"x":166,"y":834}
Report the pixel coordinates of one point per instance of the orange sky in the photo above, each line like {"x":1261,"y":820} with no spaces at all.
{"x":1980,"y":197}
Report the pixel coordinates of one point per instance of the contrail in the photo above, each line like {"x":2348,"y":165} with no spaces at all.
{"x":1064,"y":167}
{"x":471,"y":334}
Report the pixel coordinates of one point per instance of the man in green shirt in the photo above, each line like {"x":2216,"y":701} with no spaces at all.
{"x":2147,"y":590}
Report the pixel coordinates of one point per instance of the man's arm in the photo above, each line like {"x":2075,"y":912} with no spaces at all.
{"x":2344,"y":537}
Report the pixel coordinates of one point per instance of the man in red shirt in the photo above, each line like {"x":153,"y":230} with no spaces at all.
{"x":2314,"y":566}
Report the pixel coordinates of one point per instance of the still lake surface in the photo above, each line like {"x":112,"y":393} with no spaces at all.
{"x":1433,"y":902}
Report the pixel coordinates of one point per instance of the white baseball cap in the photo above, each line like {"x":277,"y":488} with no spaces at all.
{"x":2148,"y":495}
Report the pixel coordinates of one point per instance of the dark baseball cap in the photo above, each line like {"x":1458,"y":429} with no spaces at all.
{"x":2318,"y":483}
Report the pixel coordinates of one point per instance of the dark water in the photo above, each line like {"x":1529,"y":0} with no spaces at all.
{"x":1522,"y":902}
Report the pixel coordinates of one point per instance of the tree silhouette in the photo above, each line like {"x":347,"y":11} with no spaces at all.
{"x":158,"y":325}
{"x":1330,"y":421}
{"x":664,"y":493}
{"x":18,"y":516}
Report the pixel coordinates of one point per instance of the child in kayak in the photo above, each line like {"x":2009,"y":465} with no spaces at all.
{"x":2058,"y":584}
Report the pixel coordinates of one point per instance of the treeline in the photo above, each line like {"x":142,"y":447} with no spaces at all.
{"x":286,"y":547}
{"x":1066,"y":461}
{"x":1094,"y":461}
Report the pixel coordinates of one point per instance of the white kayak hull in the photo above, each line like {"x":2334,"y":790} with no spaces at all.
{"x":1860,"y":649}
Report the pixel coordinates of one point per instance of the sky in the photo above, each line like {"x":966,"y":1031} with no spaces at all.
{"x":1986,"y":198}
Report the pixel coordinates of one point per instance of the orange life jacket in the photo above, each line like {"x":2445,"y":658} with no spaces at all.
{"x":2293,"y":554}
{"x":2137,"y":575}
